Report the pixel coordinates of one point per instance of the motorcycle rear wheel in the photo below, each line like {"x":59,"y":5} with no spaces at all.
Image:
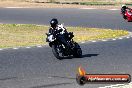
{"x":77,"y":53}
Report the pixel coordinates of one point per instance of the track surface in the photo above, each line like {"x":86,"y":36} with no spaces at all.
{"x":72,"y":17}
{"x":38,"y":68}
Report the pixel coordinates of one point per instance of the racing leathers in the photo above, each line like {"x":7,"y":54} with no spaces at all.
{"x":123,"y":10}
{"x":60,"y":33}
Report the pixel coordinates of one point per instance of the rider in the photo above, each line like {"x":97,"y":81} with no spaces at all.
{"x":59,"y":34}
{"x":123,"y":9}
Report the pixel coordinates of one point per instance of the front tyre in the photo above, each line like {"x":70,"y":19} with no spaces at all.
{"x":56,"y":52}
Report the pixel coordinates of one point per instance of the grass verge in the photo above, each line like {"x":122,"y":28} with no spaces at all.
{"x":17,"y":35}
{"x":97,"y":3}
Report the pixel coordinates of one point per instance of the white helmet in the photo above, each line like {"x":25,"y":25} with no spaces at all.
{"x":123,"y":6}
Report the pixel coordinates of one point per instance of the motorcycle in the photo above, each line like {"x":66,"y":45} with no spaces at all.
{"x":128,"y":15}
{"x":60,"y":50}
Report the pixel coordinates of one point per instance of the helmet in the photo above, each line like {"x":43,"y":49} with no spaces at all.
{"x":124,"y":6}
{"x":54,"y":22}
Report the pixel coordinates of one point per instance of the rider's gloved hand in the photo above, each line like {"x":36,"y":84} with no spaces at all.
{"x":60,"y":30}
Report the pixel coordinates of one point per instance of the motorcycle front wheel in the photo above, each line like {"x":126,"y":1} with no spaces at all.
{"x":55,"y":51}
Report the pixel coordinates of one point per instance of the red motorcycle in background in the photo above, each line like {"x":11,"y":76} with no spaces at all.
{"x":127,"y":15}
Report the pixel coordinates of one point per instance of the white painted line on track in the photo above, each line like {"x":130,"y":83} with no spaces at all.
{"x":104,"y":40}
{"x":113,"y":86}
{"x":39,"y":46}
{"x":17,"y":7}
{"x":117,"y":85}
{"x":28,"y":47}
{"x":97,"y":8}
{"x":113,"y":9}
{"x":120,"y":38}
{"x":87,"y":8}
{"x":93,"y":41}
{"x":13,"y":7}
{"x":128,"y":85}
{"x":1,"y":49}
{"x":82,"y":42}
{"x":128,"y":37}
{"x":15,"y":48}
{"x":114,"y":39}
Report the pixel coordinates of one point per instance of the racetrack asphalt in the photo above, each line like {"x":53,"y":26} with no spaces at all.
{"x":70,"y":17}
{"x":38,"y":68}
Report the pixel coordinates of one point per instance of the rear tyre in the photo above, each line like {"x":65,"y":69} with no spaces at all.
{"x":124,"y":17}
{"x":56,"y":52}
{"x":128,"y":19}
{"x":77,"y":53}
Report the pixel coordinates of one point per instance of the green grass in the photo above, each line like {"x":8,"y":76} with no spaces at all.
{"x":97,"y":3}
{"x":129,"y":4}
{"x":87,"y":3}
{"x":17,"y":35}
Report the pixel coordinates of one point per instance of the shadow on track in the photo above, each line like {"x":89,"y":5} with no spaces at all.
{"x":89,"y":55}
{"x":83,"y":56}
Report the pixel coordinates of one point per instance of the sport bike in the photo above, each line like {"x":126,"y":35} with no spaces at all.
{"x":60,"y":50}
{"x":128,"y":15}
